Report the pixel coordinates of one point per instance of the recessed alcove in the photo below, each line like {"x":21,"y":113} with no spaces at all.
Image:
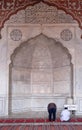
{"x":40,"y":72}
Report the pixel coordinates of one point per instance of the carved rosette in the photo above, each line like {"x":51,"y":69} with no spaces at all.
{"x":66,"y":35}
{"x":16,"y":35}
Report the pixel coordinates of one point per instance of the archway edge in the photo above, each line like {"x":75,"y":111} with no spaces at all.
{"x":72,"y":7}
{"x":26,"y":44}
{"x":35,"y":37}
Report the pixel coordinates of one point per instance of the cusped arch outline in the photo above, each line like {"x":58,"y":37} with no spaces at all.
{"x":27,"y":43}
{"x":35,"y":37}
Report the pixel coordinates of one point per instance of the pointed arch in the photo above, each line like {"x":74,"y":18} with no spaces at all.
{"x":35,"y":68}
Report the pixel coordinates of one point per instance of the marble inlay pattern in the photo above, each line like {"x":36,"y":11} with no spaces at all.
{"x":41,"y":13}
{"x":8,"y":8}
{"x":66,"y":35}
{"x":16,"y":35}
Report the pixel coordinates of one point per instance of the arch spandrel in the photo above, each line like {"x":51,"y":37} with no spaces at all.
{"x":72,"y":7}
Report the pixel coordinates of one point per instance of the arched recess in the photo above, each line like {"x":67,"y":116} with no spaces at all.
{"x":40,"y":67}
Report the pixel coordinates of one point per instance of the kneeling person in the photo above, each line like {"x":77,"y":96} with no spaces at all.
{"x":65,"y":115}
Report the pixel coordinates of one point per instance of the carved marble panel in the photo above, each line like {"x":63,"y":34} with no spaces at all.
{"x":62,"y":88}
{"x":78,"y":84}
{"x":37,"y":105}
{"x":66,"y":35}
{"x":41,"y":13}
{"x":16,"y":35}
{"x":63,"y":74}
{"x":80,"y":104}
{"x":21,"y":80}
{"x":2,"y":105}
{"x":72,"y":7}
{"x":40,"y":66}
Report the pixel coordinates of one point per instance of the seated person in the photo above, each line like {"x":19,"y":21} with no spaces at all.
{"x":52,"y":111}
{"x":65,"y":115}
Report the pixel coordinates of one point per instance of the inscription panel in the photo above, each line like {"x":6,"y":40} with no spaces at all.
{"x":41,"y":13}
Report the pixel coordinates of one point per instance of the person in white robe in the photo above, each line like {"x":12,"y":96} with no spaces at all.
{"x":65,"y":115}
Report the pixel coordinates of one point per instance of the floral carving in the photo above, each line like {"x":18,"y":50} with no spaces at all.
{"x":9,"y":7}
{"x":16,"y":35}
{"x":66,"y":35}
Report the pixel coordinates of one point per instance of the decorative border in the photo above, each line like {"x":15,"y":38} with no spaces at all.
{"x":16,"y":35}
{"x":8,"y":8}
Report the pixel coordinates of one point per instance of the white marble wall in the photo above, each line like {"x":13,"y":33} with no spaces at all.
{"x":14,"y":35}
{"x":70,"y":45}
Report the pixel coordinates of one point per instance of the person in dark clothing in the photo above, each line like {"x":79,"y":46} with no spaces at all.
{"x":52,"y":111}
